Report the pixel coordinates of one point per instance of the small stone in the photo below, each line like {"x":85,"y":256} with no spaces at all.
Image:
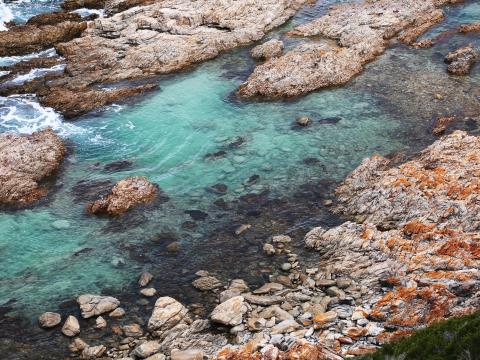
{"x":355,"y":332}
{"x":268,"y":287}
{"x":328,"y":202}
{"x":324,"y":319}
{"x":286,"y":266}
{"x":132,"y":330}
{"x":49,"y":319}
{"x":173,"y":247}
{"x":206,"y":283}
{"x":335,"y":292}
{"x":77,"y":345}
{"x":144,"y":279}
{"x":71,"y":327}
{"x":157,"y":356}
{"x":100,"y":323}
{"x":283,"y":239}
{"x":146,"y":349}
{"x":117,"y":313}
{"x":285,"y":326}
{"x":202,"y":273}
{"x":191,"y":354}
{"x":242,"y":228}
{"x":148,"y":292}
{"x":93,"y":352}
{"x":268,"y":249}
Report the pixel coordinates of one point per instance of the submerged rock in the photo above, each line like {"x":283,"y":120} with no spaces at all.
{"x":126,"y":194}
{"x":360,"y":31}
{"x":26,"y":161}
{"x":462,"y":60}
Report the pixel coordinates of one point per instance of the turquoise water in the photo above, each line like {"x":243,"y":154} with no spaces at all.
{"x":56,"y":251}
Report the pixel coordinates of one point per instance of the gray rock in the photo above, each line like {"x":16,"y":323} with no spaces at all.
{"x":71,"y":327}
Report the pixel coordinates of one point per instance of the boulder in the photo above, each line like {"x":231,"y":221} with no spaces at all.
{"x":230,"y":312}
{"x":49,"y":320}
{"x":206,"y":283}
{"x":126,"y":194}
{"x":71,"y":327}
{"x":25,"y":162}
{"x":166,"y":314}
{"x":267,"y":50}
{"x":462,"y":60}
{"x":145,"y":278}
{"x":93,"y":305}
{"x":146,"y":349}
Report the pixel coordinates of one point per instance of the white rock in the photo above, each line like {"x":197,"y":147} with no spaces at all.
{"x":230,"y":312}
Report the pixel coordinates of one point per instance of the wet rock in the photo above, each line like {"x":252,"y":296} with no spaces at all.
{"x":220,"y":189}
{"x":267,"y":50}
{"x":100,"y":323}
{"x":242,"y":228}
{"x":230,"y":312}
{"x":441,"y":125}
{"x":148,"y":292}
{"x":173,"y":247}
{"x":91,"y":189}
{"x":93,"y":352}
{"x":197,"y":215}
{"x":93,"y":305}
{"x":77,"y":345}
{"x":360,"y":31}
{"x":462,"y":60}
{"x":281,"y":239}
{"x":126,"y":194}
{"x":166,"y":314}
{"x":119,"y":165}
{"x":467,"y":28}
{"x":117,"y":313}
{"x":132,"y":330}
{"x":146,"y":349}
{"x":206,"y":283}
{"x":330,"y":120}
{"x":42,"y":32}
{"x":286,"y":266}
{"x":26,"y":161}
{"x":303,"y":121}
{"x":191,"y":354}
{"x":145,"y":278}
{"x":237,"y":287}
{"x":49,"y":320}
{"x":71,"y":327}
{"x":268,"y":249}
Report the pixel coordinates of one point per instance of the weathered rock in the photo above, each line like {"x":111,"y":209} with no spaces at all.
{"x":71,"y":327}
{"x":206,"y":283}
{"x":462,"y":60}
{"x":285,"y":326}
{"x":230,"y":312}
{"x":93,"y":305}
{"x":70,"y":5}
{"x":441,"y":125}
{"x":148,"y":292}
{"x":126,"y":194}
{"x":49,"y":320}
{"x":467,"y":28}
{"x":42,"y":32}
{"x":117,"y":313}
{"x":268,"y":249}
{"x":93,"y":352}
{"x":145,"y":278}
{"x":267,"y":50}
{"x":264,"y":300}
{"x":190,"y":354}
{"x":146,"y":349}
{"x":77,"y":345}
{"x":361,"y":31}
{"x":166,"y":314}
{"x":303,"y":121}
{"x":100,"y":323}
{"x":237,"y":287}
{"x":25,"y":161}
{"x":132,"y":330}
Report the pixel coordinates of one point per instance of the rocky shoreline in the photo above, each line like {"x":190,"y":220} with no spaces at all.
{"x":408,"y":258}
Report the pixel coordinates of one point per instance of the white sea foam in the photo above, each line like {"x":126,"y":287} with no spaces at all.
{"x":34,"y":73}
{"x":24,"y":115}
{"x":86,"y":12}
{"x":6,"y":15}
{"x":10,"y":60}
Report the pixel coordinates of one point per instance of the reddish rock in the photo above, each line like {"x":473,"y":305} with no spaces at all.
{"x":462,"y":60}
{"x":25,"y":162}
{"x":126,"y":194}
{"x":441,"y":125}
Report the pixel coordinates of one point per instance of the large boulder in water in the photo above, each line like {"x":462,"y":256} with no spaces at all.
{"x":125,"y":195}
{"x":25,"y":161}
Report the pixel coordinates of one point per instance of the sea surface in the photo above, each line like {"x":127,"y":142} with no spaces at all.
{"x":53,"y":252}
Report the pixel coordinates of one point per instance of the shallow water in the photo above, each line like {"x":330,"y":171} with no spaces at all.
{"x":55,"y":251}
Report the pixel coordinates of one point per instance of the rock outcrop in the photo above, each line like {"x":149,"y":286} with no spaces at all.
{"x":25,"y":162}
{"x":354,"y":34}
{"x":40,"y":33}
{"x":268,"y":50}
{"x":462,"y":60}
{"x":125,"y":195}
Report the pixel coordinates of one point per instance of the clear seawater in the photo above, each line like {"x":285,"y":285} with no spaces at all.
{"x":55,"y":251}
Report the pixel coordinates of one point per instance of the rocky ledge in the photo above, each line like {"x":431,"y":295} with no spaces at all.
{"x":126,"y":194}
{"x":25,"y":162}
{"x":137,"y":43}
{"x":339,"y":44}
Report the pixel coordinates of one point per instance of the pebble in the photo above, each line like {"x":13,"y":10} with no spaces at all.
{"x":145,"y":278}
{"x":268,"y":249}
{"x":148,"y":292}
{"x":100,"y":323}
